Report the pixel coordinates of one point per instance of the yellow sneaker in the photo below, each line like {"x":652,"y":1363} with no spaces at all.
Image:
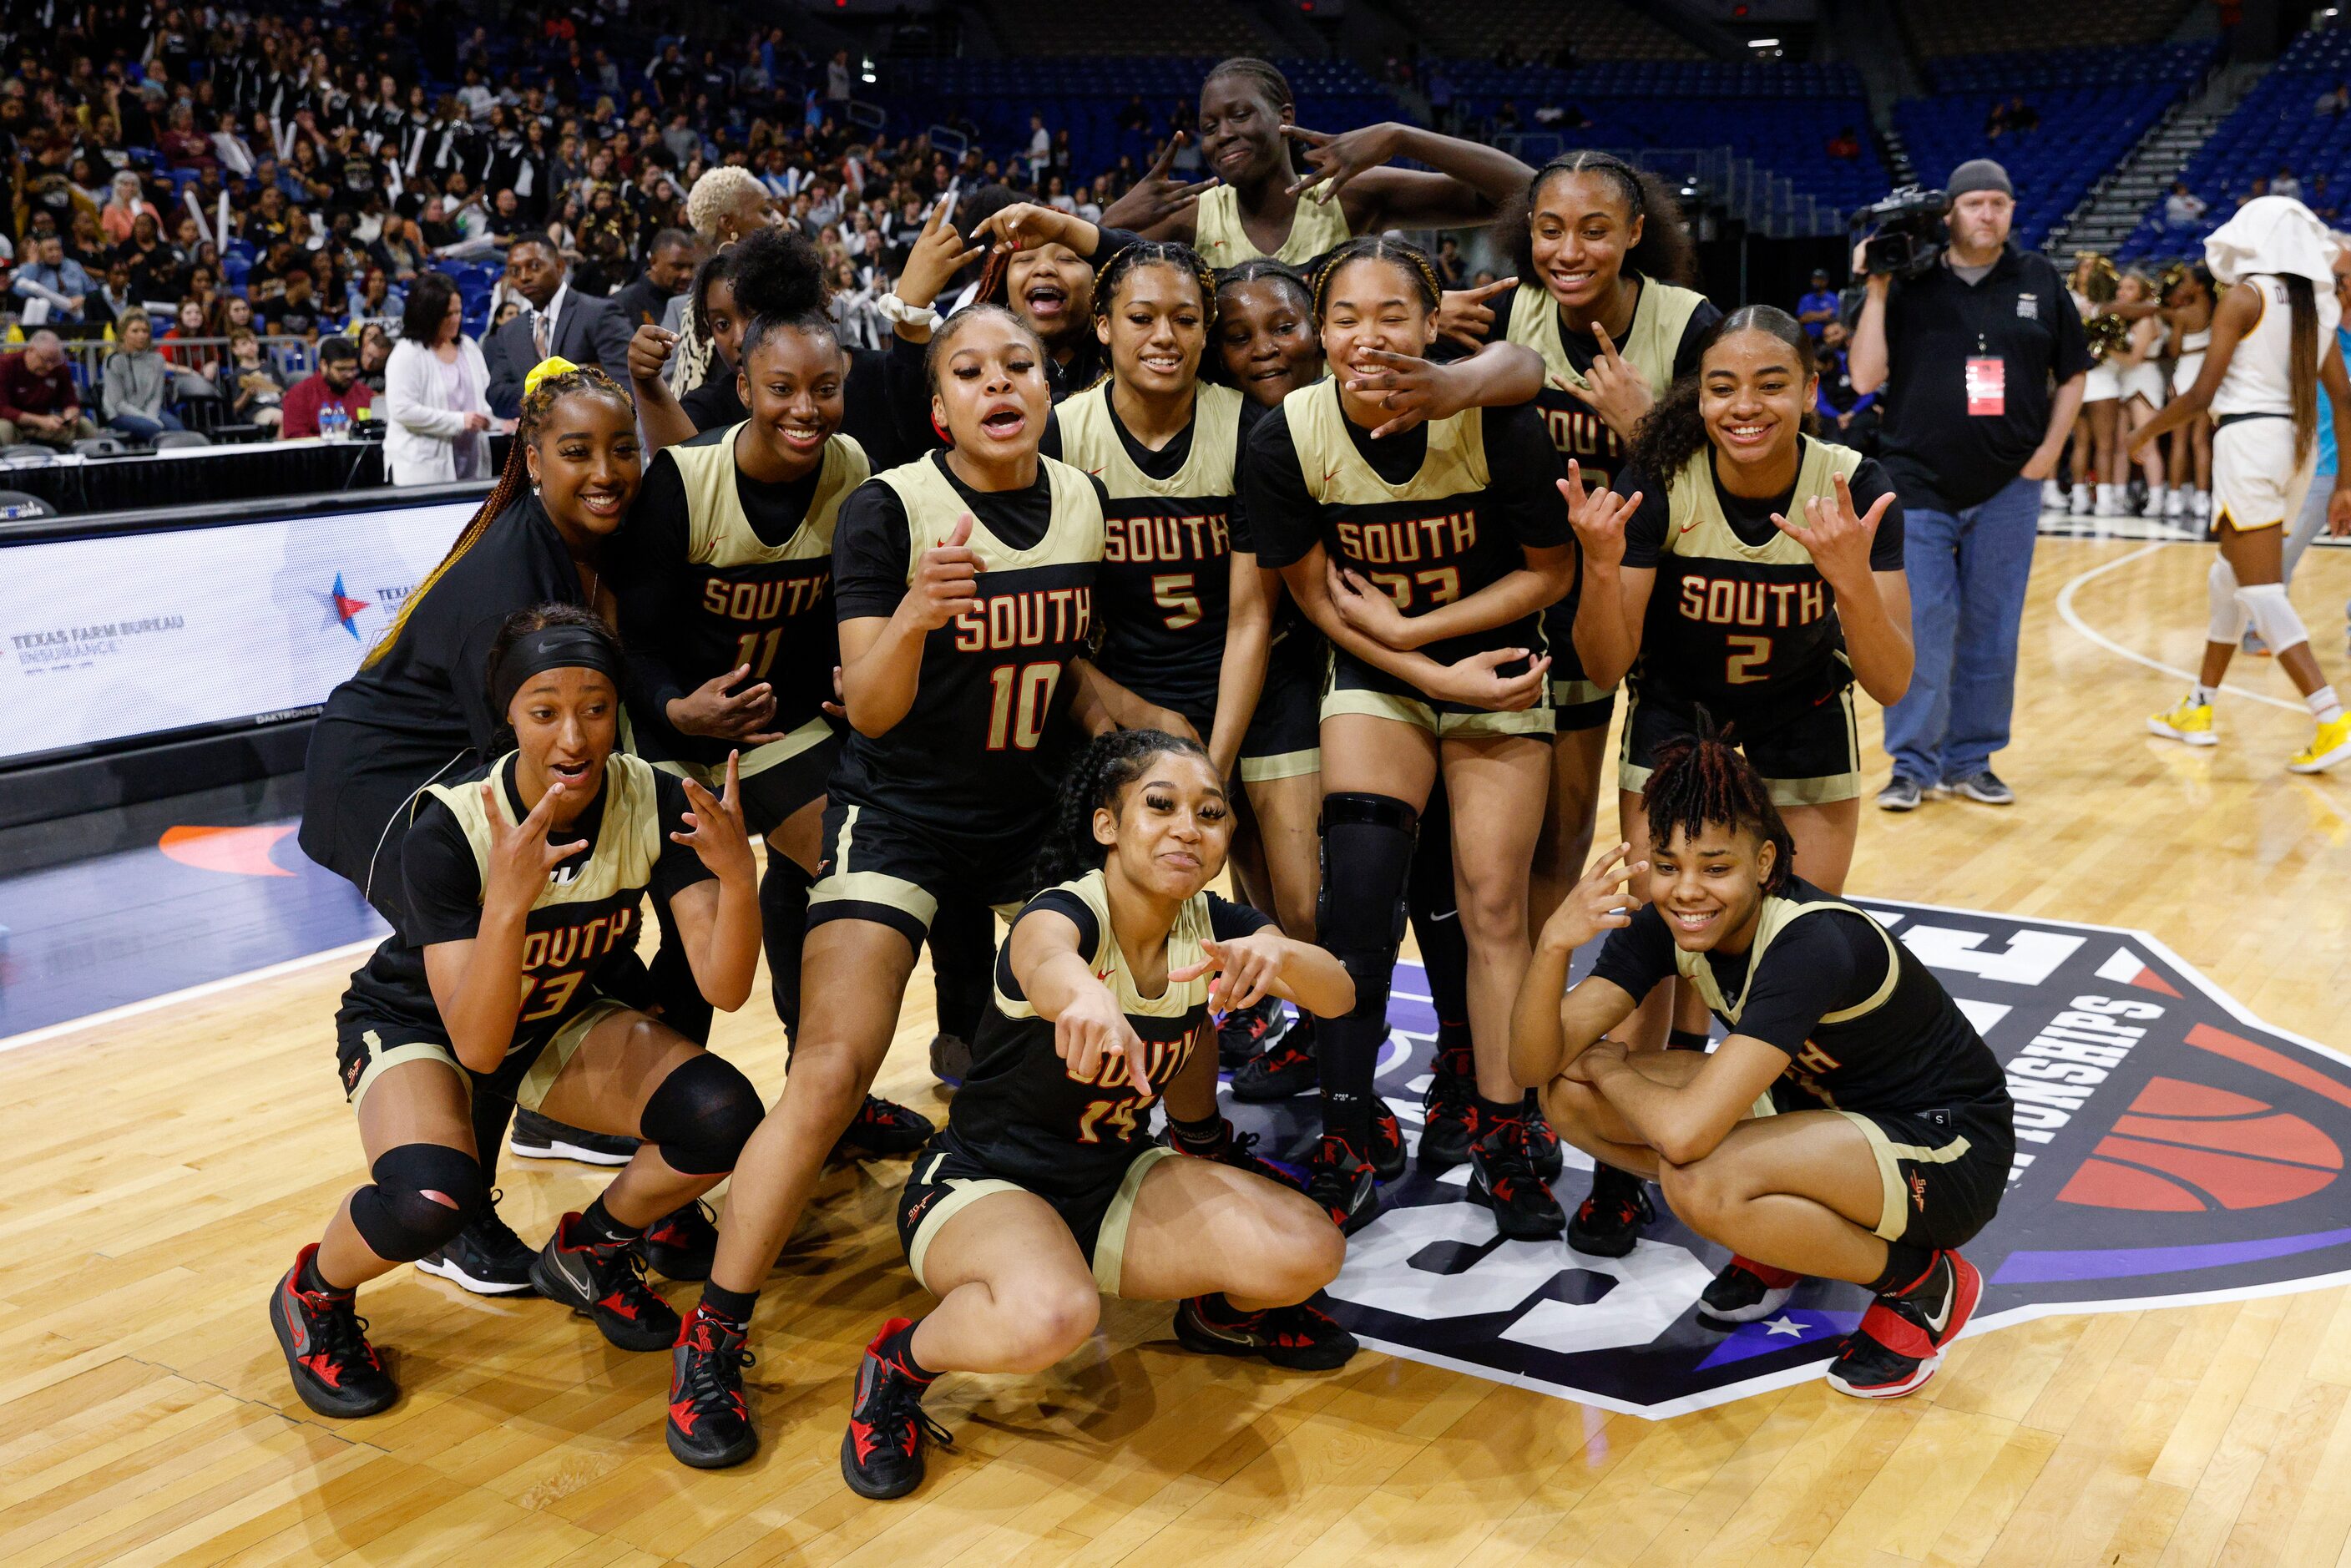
{"x":2330,"y":745}
{"x":2191,"y":721}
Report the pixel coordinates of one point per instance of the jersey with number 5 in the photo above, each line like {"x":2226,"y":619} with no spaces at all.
{"x":981,"y":753}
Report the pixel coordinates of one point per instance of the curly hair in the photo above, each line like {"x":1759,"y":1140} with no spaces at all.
{"x":1673,"y":432}
{"x":1703,"y":780}
{"x":538,"y":404}
{"x":1400,"y":254}
{"x":771,"y":272}
{"x":719,"y":191}
{"x":1665,"y":252}
{"x":1095,"y":780}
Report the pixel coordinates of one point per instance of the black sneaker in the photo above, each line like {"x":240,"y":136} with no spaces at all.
{"x":882,"y":1452}
{"x":882,"y":1129}
{"x":1245,"y":1032}
{"x":1745,"y":1291}
{"x":1502,"y":1177}
{"x":334,"y":1368}
{"x":682,"y":1245}
{"x":1542,"y":1141}
{"x":1303,"y":1338}
{"x":1449,"y":1113}
{"x":950,"y":1058}
{"x":1238,"y":1150}
{"x":536,"y":1137}
{"x":709,"y":1425}
{"x":604,"y":1282}
{"x":1899,"y":1342}
{"x":485,"y":1258}
{"x":1285,"y":1068}
{"x":1608,"y":1221}
{"x":1984,"y":788}
{"x":1344,"y":1185}
{"x":1387,"y":1146}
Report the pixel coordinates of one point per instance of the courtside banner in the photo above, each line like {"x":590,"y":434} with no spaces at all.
{"x":110,"y":638}
{"x":2171,"y":1149}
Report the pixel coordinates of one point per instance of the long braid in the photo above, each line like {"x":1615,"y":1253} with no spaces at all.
{"x":514,"y":478}
{"x":1100,"y":773}
{"x":1703,"y":780}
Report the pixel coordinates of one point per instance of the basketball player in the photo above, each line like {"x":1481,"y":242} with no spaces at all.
{"x":1264,"y":206}
{"x":1754,"y":572}
{"x":963,"y":587}
{"x":1852,"y":1125}
{"x":2188,"y":310}
{"x":523,"y":881}
{"x":724,"y":577}
{"x":1046,"y":1191}
{"x":2273,"y":346}
{"x":1427,"y":558}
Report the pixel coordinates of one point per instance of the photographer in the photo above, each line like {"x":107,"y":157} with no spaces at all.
{"x":1980,"y":356}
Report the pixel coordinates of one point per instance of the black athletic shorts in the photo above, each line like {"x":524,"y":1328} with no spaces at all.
{"x":946,"y":1177}
{"x":1285,"y":733}
{"x":1808,"y":759}
{"x":1576,"y":702}
{"x":777,"y":778}
{"x":367,"y":1043}
{"x":882,"y":866}
{"x":1944,"y":1169}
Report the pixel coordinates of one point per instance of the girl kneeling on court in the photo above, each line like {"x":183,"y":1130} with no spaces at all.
{"x":1046,"y":1189}
{"x":1853,"y":1126}
{"x":524,"y":881}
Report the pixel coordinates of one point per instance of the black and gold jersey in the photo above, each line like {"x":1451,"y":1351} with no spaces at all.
{"x":715,"y":570}
{"x":1740,"y":618}
{"x":981,"y":753}
{"x":1165,"y":588}
{"x":1023,"y":1112}
{"x":1865,"y":1025}
{"x":1222,"y":241}
{"x":583,"y":919}
{"x":1429,"y":515}
{"x":1662,"y":345}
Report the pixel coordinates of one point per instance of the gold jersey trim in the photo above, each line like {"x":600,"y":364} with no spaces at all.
{"x":1779,"y":913}
{"x":1337,"y":474}
{"x":1695,"y":525}
{"x":1218,"y":235}
{"x":1660,"y":315}
{"x":1183,"y":947}
{"x":628,"y":839}
{"x":1089,"y":440}
{"x":933,"y":505}
{"x":719,"y":534}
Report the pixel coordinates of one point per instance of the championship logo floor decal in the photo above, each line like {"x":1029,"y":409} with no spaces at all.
{"x":2171,"y":1149}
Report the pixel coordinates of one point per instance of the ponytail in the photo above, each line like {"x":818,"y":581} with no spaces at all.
{"x":1096,"y":779}
{"x":2302,"y":355}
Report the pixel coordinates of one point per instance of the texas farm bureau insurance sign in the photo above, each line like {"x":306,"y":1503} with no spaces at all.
{"x":2170,"y":1148}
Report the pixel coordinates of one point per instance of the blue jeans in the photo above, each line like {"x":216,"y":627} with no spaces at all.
{"x":139,"y":427}
{"x":1967,"y":572}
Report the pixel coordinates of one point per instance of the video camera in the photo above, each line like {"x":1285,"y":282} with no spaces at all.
{"x":1906,"y":232}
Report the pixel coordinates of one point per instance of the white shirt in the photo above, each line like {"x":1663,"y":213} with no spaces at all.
{"x":553,"y":313}
{"x":2260,"y":377}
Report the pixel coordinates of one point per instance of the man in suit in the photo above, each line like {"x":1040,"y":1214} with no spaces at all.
{"x":669,"y":266}
{"x":554,"y":320}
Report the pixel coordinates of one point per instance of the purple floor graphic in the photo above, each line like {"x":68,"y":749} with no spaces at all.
{"x":2171,"y":1149}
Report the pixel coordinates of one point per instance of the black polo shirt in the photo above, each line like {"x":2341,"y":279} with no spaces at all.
{"x":1942,"y":458}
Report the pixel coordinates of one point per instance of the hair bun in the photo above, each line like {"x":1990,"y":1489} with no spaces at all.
{"x":553,"y":365}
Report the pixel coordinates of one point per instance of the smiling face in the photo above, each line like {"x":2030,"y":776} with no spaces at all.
{"x":793,"y":385}
{"x":1240,"y":129}
{"x":1751,"y":396}
{"x":1265,"y":333}
{"x":1051,"y":287}
{"x":1155,"y":329}
{"x":1370,"y":305}
{"x":1581,"y":232}
{"x":1710,"y":886}
{"x":585,"y":460}
{"x":564,"y":722}
{"x":1170,"y":828}
{"x":990,"y":393}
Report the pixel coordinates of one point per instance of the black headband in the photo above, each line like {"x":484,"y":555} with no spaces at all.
{"x":550,"y":648}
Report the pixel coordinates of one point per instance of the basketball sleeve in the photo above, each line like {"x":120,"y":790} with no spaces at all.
{"x":649,"y":580}
{"x":1645,"y":530}
{"x":1062,"y":901}
{"x":1523,"y":468}
{"x":677,"y":867}
{"x":870,"y":553}
{"x":1229,"y":921}
{"x":445,"y":881}
{"x":1820,"y":964}
{"x":1284,"y":519}
{"x":1869,"y":482}
{"x":1635,"y":957}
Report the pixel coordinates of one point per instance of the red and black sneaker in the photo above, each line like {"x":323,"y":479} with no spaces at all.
{"x":1387,"y":1146}
{"x":1543,"y":1142}
{"x":1899,"y":1342}
{"x":1608,"y":1222}
{"x":1502,"y":1177}
{"x":1745,"y":1291}
{"x":881,"y":1130}
{"x":1343,"y":1184}
{"x":335,"y":1370}
{"x":1449,"y":1110}
{"x":1245,"y":1032}
{"x":882,"y":1452}
{"x":709,"y":1425}
{"x":1238,"y":1150}
{"x":604,"y":1280}
{"x":1285,"y":1068}
{"x":1303,"y":1338}
{"x":682,"y":1246}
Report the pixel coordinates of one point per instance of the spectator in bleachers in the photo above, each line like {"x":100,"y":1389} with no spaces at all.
{"x":128,"y":201}
{"x":669,"y":267}
{"x":2183,"y":208}
{"x":1818,"y":306}
{"x":138,"y":382}
{"x":249,"y":381}
{"x":2258,"y":189}
{"x":375,"y":352}
{"x":435,"y":392}
{"x":2283,"y":183}
{"x":1844,"y":144}
{"x":1982,"y":360}
{"x":555,"y":321}
{"x":1853,"y":415}
{"x":2321,"y":201}
{"x":39,"y":400}
{"x":335,"y":384}
{"x":2337,"y":100}
{"x":54,"y":282}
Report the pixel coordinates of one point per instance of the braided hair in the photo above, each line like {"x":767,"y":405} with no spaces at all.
{"x":1704,"y":779}
{"x":1260,"y":269}
{"x":936,"y":355}
{"x":1400,"y":254}
{"x":1095,"y":780}
{"x":1171,"y":253}
{"x":1674,"y":430}
{"x":1665,"y":252}
{"x":513,"y":479}
{"x":1261,"y":73}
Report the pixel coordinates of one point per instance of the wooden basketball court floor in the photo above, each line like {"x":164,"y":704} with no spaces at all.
{"x":160,"y":1169}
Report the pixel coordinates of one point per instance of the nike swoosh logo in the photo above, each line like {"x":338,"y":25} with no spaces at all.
{"x":1687,"y":527}
{"x":1329,"y":475}
{"x":1937,"y":1321}
{"x":1447,"y":915}
{"x":1213,"y":1331}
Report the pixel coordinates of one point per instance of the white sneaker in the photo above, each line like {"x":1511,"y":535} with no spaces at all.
{"x":2155,"y":501}
{"x":2111,"y":503}
{"x":2199,"y":506}
{"x":2078,"y":502}
{"x":2053,"y":495}
{"x":2175,"y":504}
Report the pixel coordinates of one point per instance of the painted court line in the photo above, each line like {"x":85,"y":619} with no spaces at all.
{"x":2065,"y":609}
{"x":191,"y":993}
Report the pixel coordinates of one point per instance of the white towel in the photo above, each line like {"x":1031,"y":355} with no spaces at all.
{"x":2273,"y":234}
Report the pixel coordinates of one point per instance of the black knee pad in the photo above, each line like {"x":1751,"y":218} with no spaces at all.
{"x":783,"y":932}
{"x":701,"y":1115}
{"x":402,"y":1217}
{"x":1367,"y":843}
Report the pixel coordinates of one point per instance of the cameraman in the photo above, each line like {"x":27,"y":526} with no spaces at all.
{"x":1982,"y":358}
